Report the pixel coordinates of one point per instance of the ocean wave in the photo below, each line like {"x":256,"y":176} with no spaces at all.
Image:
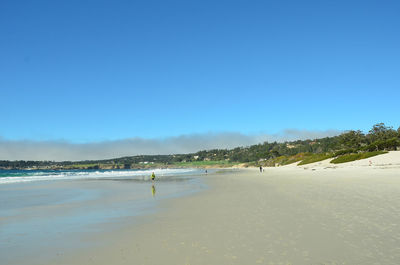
{"x":27,"y":176}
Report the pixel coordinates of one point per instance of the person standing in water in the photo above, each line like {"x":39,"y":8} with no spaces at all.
{"x":153,"y":188}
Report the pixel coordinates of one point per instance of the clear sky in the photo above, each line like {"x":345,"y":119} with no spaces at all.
{"x":88,"y":71}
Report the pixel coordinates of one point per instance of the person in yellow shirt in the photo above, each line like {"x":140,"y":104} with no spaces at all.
{"x":153,"y":177}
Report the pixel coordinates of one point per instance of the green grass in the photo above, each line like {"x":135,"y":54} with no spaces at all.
{"x":280,"y":160}
{"x":80,"y":166}
{"x":352,"y":157}
{"x":315,"y":158}
{"x":295,"y":158}
{"x":286,"y":160}
{"x":222,"y":163}
{"x":93,"y":165}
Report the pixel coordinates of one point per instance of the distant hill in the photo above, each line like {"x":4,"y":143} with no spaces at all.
{"x":349,"y":145}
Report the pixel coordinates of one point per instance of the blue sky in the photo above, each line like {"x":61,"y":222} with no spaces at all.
{"x":85,"y":71}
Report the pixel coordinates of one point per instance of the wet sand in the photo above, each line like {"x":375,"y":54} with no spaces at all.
{"x":44,"y":220}
{"x":288,"y":215}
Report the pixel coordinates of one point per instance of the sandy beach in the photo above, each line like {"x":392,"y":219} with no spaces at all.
{"x":290,"y":215}
{"x":187,"y":132}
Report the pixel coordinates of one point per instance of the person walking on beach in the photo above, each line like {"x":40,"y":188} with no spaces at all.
{"x":261,"y":169}
{"x":153,"y":177}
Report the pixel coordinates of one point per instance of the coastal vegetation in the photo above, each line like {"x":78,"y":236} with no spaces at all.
{"x":315,"y":158}
{"x":352,"y":157}
{"x":348,"y":146}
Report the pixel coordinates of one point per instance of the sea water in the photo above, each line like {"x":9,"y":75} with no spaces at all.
{"x":47,"y":209}
{"x":14,"y":176}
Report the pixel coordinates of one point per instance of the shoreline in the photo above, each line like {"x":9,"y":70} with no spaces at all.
{"x":390,"y":155}
{"x":55,"y":216}
{"x":281,"y":216}
{"x":311,"y":214}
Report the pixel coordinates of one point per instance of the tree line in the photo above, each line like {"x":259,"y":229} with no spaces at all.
{"x":380,"y":137}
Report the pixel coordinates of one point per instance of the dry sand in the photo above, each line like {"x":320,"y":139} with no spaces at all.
{"x":289,"y":215}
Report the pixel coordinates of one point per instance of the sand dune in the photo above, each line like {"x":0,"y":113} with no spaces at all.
{"x":389,"y":160}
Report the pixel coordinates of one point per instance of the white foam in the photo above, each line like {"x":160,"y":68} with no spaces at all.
{"x":134,"y":174}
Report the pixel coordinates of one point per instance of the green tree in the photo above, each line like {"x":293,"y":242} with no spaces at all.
{"x":352,"y":139}
{"x":380,"y":132}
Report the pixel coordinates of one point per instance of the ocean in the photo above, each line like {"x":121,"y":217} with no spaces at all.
{"x":15,"y":176}
{"x":47,"y":209}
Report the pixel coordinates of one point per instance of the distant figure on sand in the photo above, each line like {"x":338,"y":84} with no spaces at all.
{"x":153,"y":176}
{"x":261,"y":169}
{"x":206,"y":171}
{"x":153,"y":190}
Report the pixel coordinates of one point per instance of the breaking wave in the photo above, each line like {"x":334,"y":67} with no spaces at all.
{"x":15,"y":176}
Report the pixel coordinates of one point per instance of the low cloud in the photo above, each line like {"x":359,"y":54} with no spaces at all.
{"x":63,"y":150}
